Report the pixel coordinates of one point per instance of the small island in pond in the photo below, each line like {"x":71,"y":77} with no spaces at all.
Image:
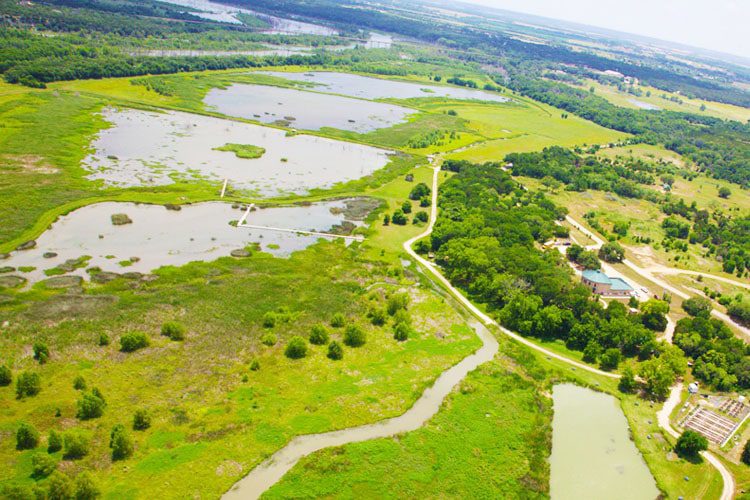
{"x":246,"y":151}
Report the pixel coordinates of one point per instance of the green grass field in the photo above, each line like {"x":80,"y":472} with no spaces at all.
{"x":522,"y":127}
{"x":213,"y":417}
{"x":491,"y":439}
{"x":626,"y":100}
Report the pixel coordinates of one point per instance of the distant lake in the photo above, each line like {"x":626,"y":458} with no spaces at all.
{"x":304,"y":110}
{"x":367,"y":87}
{"x":228,"y":14}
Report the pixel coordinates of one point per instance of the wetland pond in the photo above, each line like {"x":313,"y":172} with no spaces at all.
{"x":157,"y":236}
{"x":644,"y":105}
{"x":592,"y":453}
{"x":366,"y":87}
{"x":144,"y":149}
{"x":304,"y":110}
{"x":228,"y":14}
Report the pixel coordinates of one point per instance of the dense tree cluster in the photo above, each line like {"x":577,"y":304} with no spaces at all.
{"x":724,"y":235}
{"x":719,"y":358}
{"x":485,"y":241}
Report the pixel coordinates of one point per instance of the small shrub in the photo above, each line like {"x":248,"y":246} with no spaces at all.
{"x":54,"y":441}
{"x":425,"y":201}
{"x":43,"y":465}
{"x":173,"y":330}
{"x":268,"y":339}
{"x":746,"y":453}
{"x":401,"y":332}
{"x":91,"y":405}
{"x":296,"y":348}
{"x":399,"y":218}
{"x":79,"y":383}
{"x":141,"y":420}
{"x":254,"y":365}
{"x":133,"y":341}
{"x":28,"y":384}
{"x":103,"y":339}
{"x":406,"y":207}
{"x":27,"y":437}
{"x":60,"y":487}
{"x":120,"y":442}
{"x":41,"y":352}
{"x":318,"y":335}
{"x":354,"y":336}
{"x":421,"y":216}
{"x":396,"y":302}
{"x":402,"y":316}
{"x":6,"y":376}
{"x":86,"y":488}
{"x":76,"y":444}
{"x":627,"y":383}
{"x":335,"y":351}
{"x":697,"y":306}
{"x":19,"y":492}
{"x":610,"y":359}
{"x":269,"y":319}
{"x":338,"y":320}
{"x":377,"y":316}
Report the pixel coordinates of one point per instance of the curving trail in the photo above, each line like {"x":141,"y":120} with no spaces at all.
{"x":268,"y":473}
{"x":728,"y":490}
{"x":648,"y":274}
{"x":469,"y":305}
{"x":727,"y":493}
{"x":673,"y":270}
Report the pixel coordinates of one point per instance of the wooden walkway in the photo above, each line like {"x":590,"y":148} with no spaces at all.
{"x":302,"y":231}
{"x":241,"y":223}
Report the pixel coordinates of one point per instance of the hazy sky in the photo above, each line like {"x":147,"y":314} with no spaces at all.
{"x":722,"y":25}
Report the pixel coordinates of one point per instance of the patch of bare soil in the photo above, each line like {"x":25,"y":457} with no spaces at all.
{"x":70,"y":306}
{"x":31,"y":163}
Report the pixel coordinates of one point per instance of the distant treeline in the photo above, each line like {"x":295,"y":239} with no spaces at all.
{"x":516,"y":54}
{"x":723,"y":235}
{"x":718,"y":146}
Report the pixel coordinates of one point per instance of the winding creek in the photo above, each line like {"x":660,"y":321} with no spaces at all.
{"x":269,"y":472}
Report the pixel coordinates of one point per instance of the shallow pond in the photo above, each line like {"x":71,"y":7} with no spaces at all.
{"x":644,"y":105}
{"x":592,"y":453}
{"x":228,"y":14}
{"x":158,"y":236}
{"x":144,"y":148}
{"x":272,"y":50}
{"x":304,"y":110}
{"x":377,"y":88}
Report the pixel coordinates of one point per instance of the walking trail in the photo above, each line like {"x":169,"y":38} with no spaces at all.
{"x":268,"y":473}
